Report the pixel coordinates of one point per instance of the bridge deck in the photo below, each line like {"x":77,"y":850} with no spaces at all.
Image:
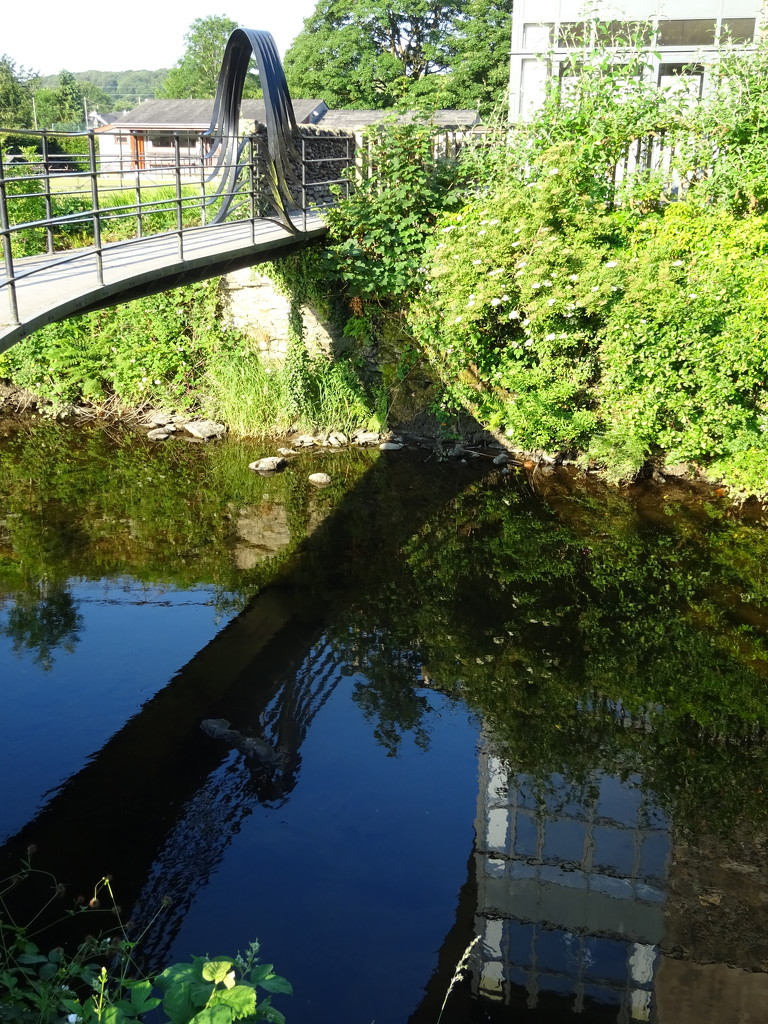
{"x":49,"y":288}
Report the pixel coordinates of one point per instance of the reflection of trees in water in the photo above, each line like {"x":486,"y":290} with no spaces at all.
{"x":388,"y":697}
{"x":43,"y":621}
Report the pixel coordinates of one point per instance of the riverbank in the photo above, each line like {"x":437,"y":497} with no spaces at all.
{"x":467,"y":442}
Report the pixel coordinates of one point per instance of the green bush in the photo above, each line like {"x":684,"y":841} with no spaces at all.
{"x":39,"y":988}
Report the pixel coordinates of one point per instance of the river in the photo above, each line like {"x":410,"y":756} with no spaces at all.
{"x":516,"y":717}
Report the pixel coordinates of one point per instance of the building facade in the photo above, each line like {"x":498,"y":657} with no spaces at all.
{"x":681,"y":36}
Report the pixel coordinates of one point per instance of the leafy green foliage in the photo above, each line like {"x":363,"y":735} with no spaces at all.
{"x":364,"y":53}
{"x":15,"y":97}
{"x":578,"y":309}
{"x":150,"y":349}
{"x":196,"y":74}
{"x":36,"y":988}
{"x":109,"y":91}
{"x":380,"y":231}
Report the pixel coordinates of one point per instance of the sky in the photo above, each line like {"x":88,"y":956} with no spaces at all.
{"x":49,"y":36}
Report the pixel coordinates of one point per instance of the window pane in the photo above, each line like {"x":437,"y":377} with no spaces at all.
{"x":738,"y":30}
{"x":690,"y":32}
{"x":573,"y":34}
{"x":537,"y":37}
{"x":624,"y":33}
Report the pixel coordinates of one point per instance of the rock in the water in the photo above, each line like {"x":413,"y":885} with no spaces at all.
{"x":251,"y":746}
{"x":158,"y":434}
{"x":271,"y":464}
{"x":319,"y":479}
{"x":337,"y":440}
{"x":501,"y":460}
{"x":680,"y":469}
{"x":205,"y":429}
{"x":304,"y":441}
{"x":158,"y":418}
{"x":366,"y":437}
{"x":457,"y":452}
{"x":287,"y":451}
{"x":390,"y":446}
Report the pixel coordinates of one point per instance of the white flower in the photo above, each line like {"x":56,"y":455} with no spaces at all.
{"x":476,"y":263}
{"x":573,"y":277}
{"x":514,"y":314}
{"x":692,"y":295}
{"x":527,"y":344}
{"x":494,"y":221}
{"x":482,"y":231}
{"x":596,"y":288}
{"x":525,"y":322}
{"x":547,"y":284}
{"x":550,"y":337}
{"x":470,"y":304}
{"x":521,"y":264}
{"x":496,"y":272}
{"x":449,"y":228}
{"x":514,"y":244}
{"x":458,"y":320}
{"x":536,"y":284}
{"x":554,"y":170}
{"x":495,"y":302}
{"x":611,"y":263}
{"x":677,"y":263}
{"x":440,"y":245}
{"x":550,"y":302}
{"x":505,"y":298}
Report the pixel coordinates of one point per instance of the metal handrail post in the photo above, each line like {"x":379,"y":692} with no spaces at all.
{"x":179,"y":211}
{"x":252,"y":185}
{"x":203,"y":210}
{"x":49,"y":242}
{"x":93,"y":173}
{"x":138,"y":156}
{"x":5,"y":230}
{"x":304,"y":179}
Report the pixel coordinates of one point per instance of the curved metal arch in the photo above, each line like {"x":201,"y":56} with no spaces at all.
{"x":224,"y":130}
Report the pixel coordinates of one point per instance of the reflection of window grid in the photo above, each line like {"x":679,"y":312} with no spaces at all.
{"x":588,"y":968}
{"x":611,"y":842}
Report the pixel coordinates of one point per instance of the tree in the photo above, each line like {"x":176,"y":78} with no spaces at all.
{"x":15,"y":95}
{"x":69,"y":99}
{"x":61,"y":107}
{"x":196,"y":74}
{"x":95,"y":97}
{"x":369,"y":53}
{"x":480,"y":77}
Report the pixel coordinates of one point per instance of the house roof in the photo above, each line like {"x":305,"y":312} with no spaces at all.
{"x":354,"y":120}
{"x":196,"y":114}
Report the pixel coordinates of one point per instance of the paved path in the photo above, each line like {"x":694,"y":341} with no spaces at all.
{"x":52,"y":288}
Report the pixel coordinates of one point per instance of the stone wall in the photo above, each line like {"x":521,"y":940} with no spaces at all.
{"x":254,"y":306}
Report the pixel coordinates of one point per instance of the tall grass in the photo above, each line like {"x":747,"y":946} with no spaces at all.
{"x":254,"y":397}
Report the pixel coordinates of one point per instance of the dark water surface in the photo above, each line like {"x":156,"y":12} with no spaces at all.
{"x":521,"y":713}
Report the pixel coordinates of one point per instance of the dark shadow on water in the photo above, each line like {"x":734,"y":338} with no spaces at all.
{"x":153,"y":785}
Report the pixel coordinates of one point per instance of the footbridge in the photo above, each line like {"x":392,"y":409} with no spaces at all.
{"x":94,"y":219}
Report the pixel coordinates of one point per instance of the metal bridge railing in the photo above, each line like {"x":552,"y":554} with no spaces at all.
{"x":67,"y":195}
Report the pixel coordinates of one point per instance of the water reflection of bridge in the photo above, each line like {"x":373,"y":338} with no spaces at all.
{"x":158,"y":805}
